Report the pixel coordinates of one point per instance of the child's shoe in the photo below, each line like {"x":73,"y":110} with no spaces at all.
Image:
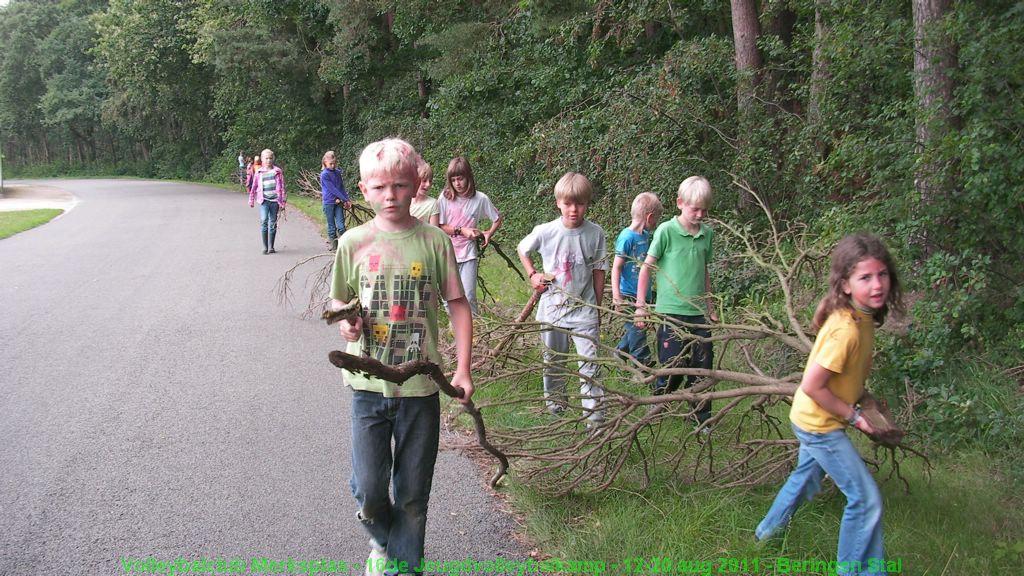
{"x":376,"y":561}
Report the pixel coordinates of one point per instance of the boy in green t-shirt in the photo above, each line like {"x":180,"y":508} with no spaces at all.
{"x":400,"y":269}
{"x":683,"y":247}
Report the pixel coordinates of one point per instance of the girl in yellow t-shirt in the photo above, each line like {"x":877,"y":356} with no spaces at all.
{"x":863,"y":286}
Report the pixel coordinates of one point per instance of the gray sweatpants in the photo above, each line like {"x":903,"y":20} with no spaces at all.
{"x":556,"y":355}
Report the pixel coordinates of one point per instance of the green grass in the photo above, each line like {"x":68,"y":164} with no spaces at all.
{"x":13,"y":222}
{"x":965,"y":520}
{"x":312,"y":207}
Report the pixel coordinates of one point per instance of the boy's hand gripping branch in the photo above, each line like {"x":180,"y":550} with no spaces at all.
{"x":351,"y":312}
{"x":402,"y":372}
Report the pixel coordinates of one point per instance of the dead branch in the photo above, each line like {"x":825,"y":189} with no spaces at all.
{"x":318,"y":284}
{"x":508,"y":261}
{"x":402,"y":372}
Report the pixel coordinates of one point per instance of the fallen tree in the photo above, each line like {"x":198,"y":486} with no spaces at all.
{"x":760,"y":351}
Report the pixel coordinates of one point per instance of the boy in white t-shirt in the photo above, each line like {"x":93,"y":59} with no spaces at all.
{"x":572,"y":251}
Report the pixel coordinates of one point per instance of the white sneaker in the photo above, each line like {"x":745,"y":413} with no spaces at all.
{"x":376,"y":561}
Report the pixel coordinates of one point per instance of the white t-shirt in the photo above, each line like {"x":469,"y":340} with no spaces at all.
{"x":463,"y":213}
{"x":571,"y":255}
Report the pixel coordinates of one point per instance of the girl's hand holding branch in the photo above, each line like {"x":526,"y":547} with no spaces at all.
{"x":487,"y":237}
{"x":864,"y":426}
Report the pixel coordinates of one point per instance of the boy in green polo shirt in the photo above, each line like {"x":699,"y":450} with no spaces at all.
{"x":682,"y":246}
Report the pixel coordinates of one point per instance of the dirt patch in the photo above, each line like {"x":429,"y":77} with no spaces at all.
{"x":48,"y":193}
{"x":24,"y":197}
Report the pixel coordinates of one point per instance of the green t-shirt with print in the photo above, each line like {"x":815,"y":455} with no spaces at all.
{"x":399,"y":278}
{"x":682,"y":260}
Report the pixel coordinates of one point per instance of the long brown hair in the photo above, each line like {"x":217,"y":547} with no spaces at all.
{"x":459,"y":166}
{"x":849,"y":252}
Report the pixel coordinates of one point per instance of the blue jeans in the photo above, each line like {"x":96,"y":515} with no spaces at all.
{"x":335,"y":216}
{"x":268,"y":216}
{"x":634,"y":343}
{"x":671,"y":346}
{"x":414,"y":424}
{"x":860,"y":533}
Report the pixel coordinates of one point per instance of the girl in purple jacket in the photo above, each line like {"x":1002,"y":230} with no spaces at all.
{"x":336,"y":199}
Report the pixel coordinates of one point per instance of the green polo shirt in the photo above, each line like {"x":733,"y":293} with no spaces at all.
{"x":682,"y":261}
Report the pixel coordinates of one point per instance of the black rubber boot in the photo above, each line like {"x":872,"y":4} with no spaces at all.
{"x":334,"y":244}
{"x":271,"y":236}
{"x":263,"y":234}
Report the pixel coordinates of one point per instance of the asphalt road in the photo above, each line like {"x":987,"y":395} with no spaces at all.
{"x":157,"y":401}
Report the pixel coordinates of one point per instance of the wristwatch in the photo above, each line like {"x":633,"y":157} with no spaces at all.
{"x":457,"y":231}
{"x":852,"y":420}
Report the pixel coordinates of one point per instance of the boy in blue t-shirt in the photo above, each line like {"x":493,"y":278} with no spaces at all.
{"x":630,"y":251}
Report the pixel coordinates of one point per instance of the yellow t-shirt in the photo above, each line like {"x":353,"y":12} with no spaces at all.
{"x":843,"y":346}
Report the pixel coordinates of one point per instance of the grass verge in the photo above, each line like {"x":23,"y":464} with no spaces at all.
{"x":13,"y":222}
{"x":965,"y":520}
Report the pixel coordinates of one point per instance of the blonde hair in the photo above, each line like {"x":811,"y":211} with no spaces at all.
{"x":388,"y":156}
{"x":574,"y":187}
{"x":695,"y":191}
{"x":424,"y":170}
{"x":645,"y":203}
{"x":328,"y":154}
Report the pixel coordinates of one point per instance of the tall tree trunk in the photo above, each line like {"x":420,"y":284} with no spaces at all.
{"x":820,"y":64}
{"x":651,"y":28}
{"x":779,"y":22}
{"x":91,"y":141}
{"x":745,"y":30}
{"x":423,"y":88}
{"x":113,"y":147}
{"x":935,"y":59}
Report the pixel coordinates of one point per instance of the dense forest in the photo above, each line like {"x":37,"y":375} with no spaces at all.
{"x":902,"y":118}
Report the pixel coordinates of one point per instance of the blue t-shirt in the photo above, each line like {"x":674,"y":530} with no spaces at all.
{"x":632,"y":247}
